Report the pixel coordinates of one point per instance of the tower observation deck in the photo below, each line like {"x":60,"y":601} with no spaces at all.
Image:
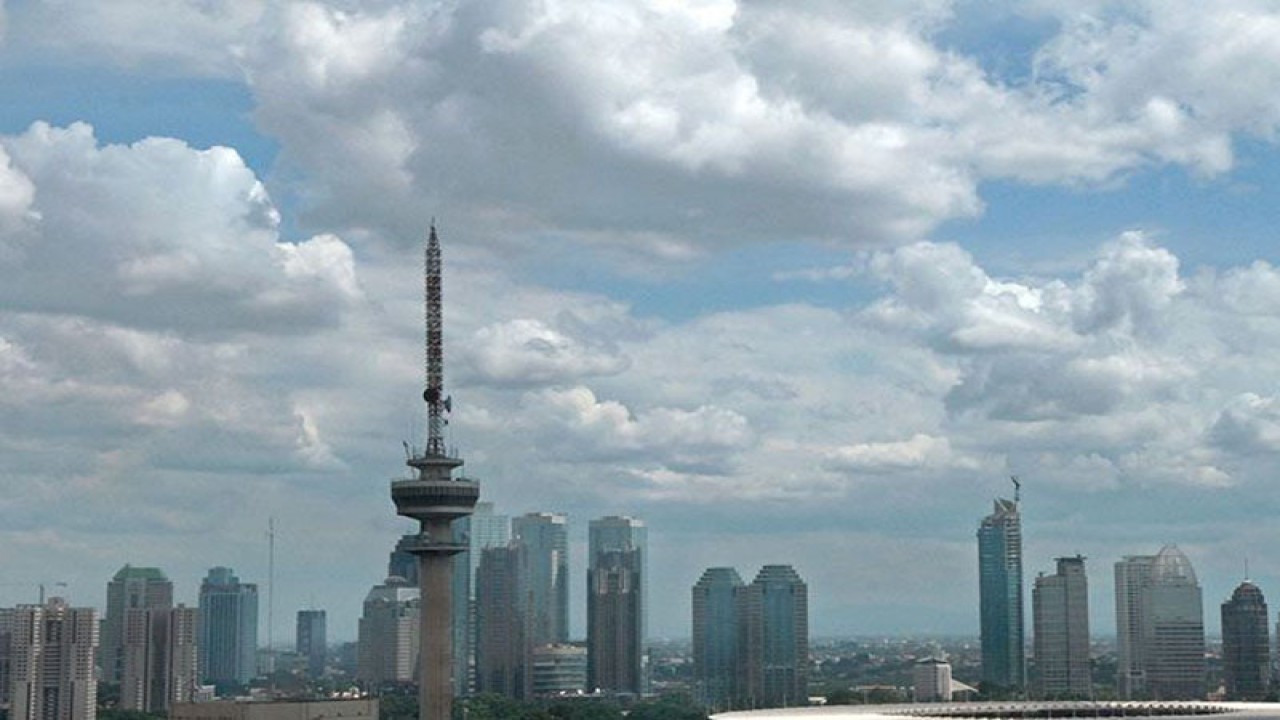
{"x":435,"y":499}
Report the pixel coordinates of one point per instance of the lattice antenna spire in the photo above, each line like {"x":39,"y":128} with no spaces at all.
{"x":437,"y":403}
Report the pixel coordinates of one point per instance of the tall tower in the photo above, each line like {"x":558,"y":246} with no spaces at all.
{"x":228,"y":622}
{"x":1246,"y":644}
{"x":435,"y":499}
{"x":773,"y":639}
{"x":544,"y":539}
{"x":1173,"y":628}
{"x":1133,"y":573}
{"x":1060,"y":615}
{"x":1000,"y":597}
{"x":131,"y":587}
{"x":615,"y":605}
{"x":715,"y":637}
{"x":51,"y":652}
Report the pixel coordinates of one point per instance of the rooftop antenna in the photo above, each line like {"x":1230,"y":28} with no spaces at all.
{"x":1017,"y":488}
{"x":437,"y":403}
{"x":1246,"y":568}
{"x":271,"y":593}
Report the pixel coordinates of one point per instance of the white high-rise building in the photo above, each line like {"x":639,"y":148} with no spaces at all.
{"x":1060,"y":616}
{"x":159,"y":658}
{"x":1173,"y":628}
{"x":1133,"y":573}
{"x":51,"y":662}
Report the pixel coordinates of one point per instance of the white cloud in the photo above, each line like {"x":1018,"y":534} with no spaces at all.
{"x":527,"y":351}
{"x":917,"y":452}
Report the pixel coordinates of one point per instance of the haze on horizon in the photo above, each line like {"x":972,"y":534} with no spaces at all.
{"x":793,"y":282}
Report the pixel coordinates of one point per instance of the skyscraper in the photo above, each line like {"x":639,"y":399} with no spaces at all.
{"x":486,"y":530}
{"x":389,"y":632}
{"x":159,"y":658}
{"x":1246,"y":644}
{"x":1173,"y":628}
{"x":228,"y":629}
{"x":715,"y":637}
{"x":131,"y":587}
{"x":1000,"y":597}
{"x":502,"y":645}
{"x":545,"y":540}
{"x":1060,"y":615}
{"x":51,"y":655}
{"x":615,"y":604}
{"x":1133,"y":573}
{"x":311,"y":640}
{"x":773,"y":639}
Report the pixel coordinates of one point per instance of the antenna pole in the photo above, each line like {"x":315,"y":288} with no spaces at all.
{"x":271,"y":594}
{"x":434,"y":355}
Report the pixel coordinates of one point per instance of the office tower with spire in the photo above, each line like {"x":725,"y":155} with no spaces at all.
{"x":1173,"y":629}
{"x":435,"y":499}
{"x":51,"y":662}
{"x":773,"y":639}
{"x":1060,"y":618}
{"x":389,"y":633}
{"x":1246,"y":644}
{"x":617,"y":547}
{"x":159,"y":658}
{"x":311,"y":641}
{"x":228,"y":629}
{"x":1132,"y":575}
{"x":1000,"y":598}
{"x":715,"y":637}
{"x":544,"y":538}
{"x":132,"y":587}
{"x":503,"y":651}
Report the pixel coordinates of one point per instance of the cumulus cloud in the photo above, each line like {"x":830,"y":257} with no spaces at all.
{"x":917,"y":452}
{"x":527,"y":351}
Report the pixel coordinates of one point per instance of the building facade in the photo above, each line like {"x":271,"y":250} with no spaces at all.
{"x":1000,"y":597}
{"x":544,"y":538}
{"x":311,"y":640}
{"x":1060,"y":618}
{"x":131,"y":587}
{"x":615,"y":604}
{"x":715,"y":637}
{"x":160,"y":658}
{"x":559,"y":670}
{"x":1246,"y":644}
{"x":51,"y":652}
{"x":773,"y":639}
{"x":1132,"y":575}
{"x":486,"y":529}
{"x":228,"y":629}
{"x":502,"y":637}
{"x":931,"y":680}
{"x":388,"y":634}
{"x":1173,"y":629}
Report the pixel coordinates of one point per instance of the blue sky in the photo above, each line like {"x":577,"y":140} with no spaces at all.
{"x":794,"y":282}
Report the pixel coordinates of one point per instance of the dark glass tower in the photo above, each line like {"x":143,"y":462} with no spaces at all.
{"x":773,"y":639}
{"x":1000,"y":598}
{"x":1246,"y":644}
{"x":715,"y":637}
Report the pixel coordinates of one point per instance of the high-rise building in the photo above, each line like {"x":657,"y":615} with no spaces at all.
{"x":502,"y":643}
{"x":388,"y":644}
{"x":715,"y":637}
{"x":1060,"y":616}
{"x":159,"y":658}
{"x":773,"y":639}
{"x":51,"y":655}
{"x":1000,"y":597}
{"x":545,"y":539}
{"x":617,"y":547}
{"x":1173,"y":629}
{"x":460,"y":606}
{"x":402,"y":563}
{"x":228,"y":632}
{"x":931,"y":680}
{"x":486,"y":529}
{"x":131,"y":587}
{"x":559,"y":670}
{"x":6,"y":640}
{"x":1246,"y":644}
{"x":1133,"y":573}
{"x":311,"y":640}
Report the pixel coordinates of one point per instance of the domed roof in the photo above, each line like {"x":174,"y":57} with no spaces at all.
{"x":1171,"y":566}
{"x":1247,"y":591}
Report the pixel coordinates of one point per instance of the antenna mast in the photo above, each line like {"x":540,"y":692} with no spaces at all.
{"x":1017,"y":488}
{"x":437,"y":403}
{"x":271,"y":593}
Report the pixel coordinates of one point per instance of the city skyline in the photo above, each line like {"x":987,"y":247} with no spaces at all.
{"x":761,"y":301}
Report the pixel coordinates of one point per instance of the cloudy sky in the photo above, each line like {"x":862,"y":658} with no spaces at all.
{"x":797,"y":282}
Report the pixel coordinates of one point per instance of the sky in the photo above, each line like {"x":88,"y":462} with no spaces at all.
{"x":794,"y":282}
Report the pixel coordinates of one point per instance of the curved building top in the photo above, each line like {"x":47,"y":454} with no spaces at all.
{"x":1172,"y":566}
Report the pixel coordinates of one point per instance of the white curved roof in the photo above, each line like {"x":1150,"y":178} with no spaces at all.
{"x":1171,"y":566}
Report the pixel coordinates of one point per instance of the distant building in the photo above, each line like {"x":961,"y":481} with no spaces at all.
{"x":1173,"y":629}
{"x":715,"y":637}
{"x":311,"y":641}
{"x":773,"y":639}
{"x":388,"y":633}
{"x":159,"y":658}
{"x":1000,"y":597}
{"x":545,"y":540}
{"x":1133,"y":574}
{"x":131,"y":587}
{"x":362,"y":709}
{"x":1060,"y":616}
{"x":486,"y":529}
{"x":931,"y":680}
{"x":51,"y":655}
{"x":1246,"y":644}
{"x":502,"y":642}
{"x":228,"y":634}
{"x":559,"y":670}
{"x":6,"y":640}
{"x":615,"y":605}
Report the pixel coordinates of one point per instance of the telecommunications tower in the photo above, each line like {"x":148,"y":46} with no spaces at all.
{"x":435,"y":499}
